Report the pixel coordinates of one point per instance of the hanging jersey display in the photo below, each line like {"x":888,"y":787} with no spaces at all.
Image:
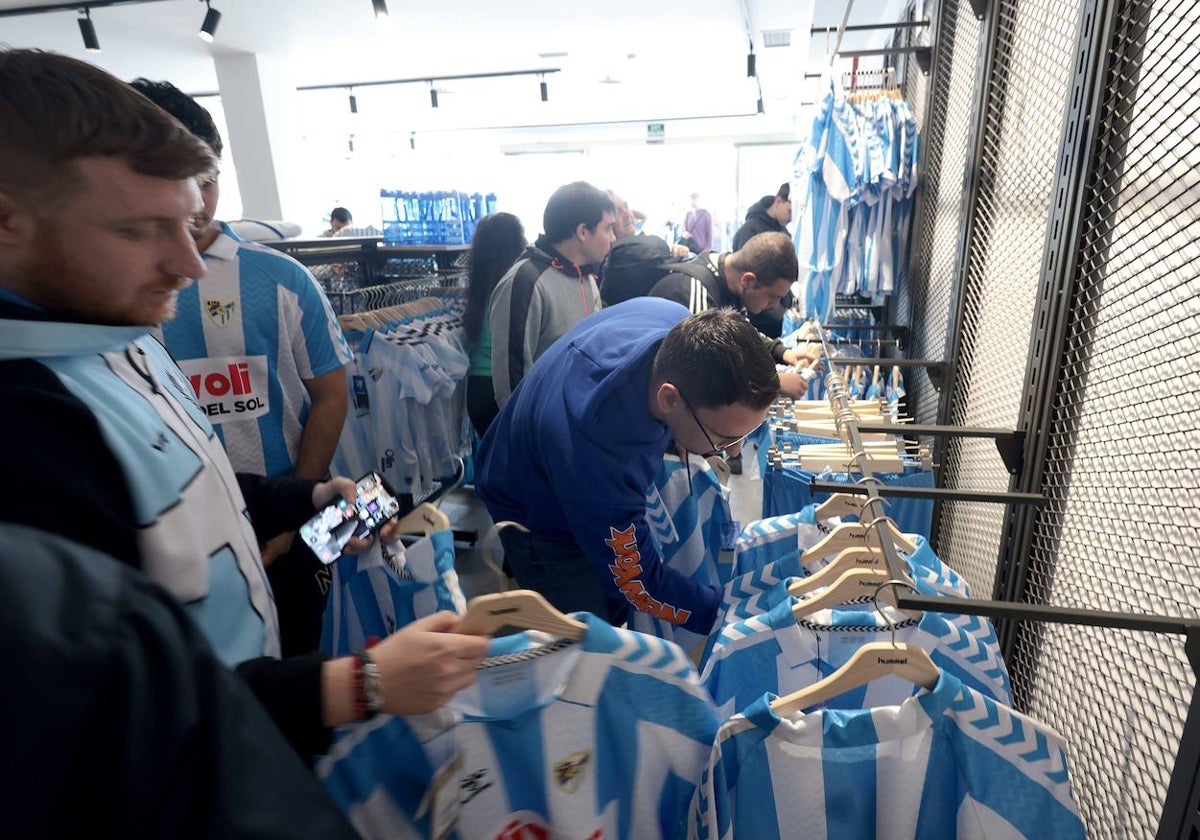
{"x":778,"y":652}
{"x":604,"y":737}
{"x":946,"y":763}
{"x":687,"y":509}
{"x":377,"y":592}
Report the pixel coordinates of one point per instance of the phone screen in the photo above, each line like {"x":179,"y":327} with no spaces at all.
{"x":328,"y":532}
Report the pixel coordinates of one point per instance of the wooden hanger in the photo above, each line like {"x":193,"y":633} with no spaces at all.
{"x":852,"y":558}
{"x":839,"y":504}
{"x":870,"y":662}
{"x":851,"y":586}
{"x":423,"y":519}
{"x":521,"y":608}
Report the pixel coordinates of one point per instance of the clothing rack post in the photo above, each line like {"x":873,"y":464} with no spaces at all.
{"x":1179,"y":817}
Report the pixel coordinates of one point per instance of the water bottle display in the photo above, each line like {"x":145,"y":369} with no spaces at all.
{"x":440,"y":217}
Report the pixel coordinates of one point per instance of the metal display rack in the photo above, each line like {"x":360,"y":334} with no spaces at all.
{"x":1180,"y":808}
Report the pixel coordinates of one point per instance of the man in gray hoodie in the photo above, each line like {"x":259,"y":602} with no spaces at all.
{"x":552,"y":285}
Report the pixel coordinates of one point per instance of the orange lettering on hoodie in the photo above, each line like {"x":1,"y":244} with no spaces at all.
{"x":626,"y":568}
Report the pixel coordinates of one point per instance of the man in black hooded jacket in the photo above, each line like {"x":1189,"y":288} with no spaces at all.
{"x":771,"y":213}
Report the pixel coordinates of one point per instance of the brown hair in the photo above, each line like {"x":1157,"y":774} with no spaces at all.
{"x":716,"y":359}
{"x":54,"y":109}
{"x":771,"y":256}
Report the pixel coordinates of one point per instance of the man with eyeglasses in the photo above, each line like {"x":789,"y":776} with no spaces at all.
{"x":572,"y":453}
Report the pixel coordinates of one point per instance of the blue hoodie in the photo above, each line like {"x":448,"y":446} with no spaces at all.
{"x":575,"y":449}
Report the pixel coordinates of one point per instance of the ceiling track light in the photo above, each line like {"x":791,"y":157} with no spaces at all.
{"x":760,"y":105}
{"x":351,"y":143}
{"x":380,"y":7}
{"x":208,"y":29}
{"x":88,"y":30}
{"x":432,"y":95}
{"x":353,"y":102}
{"x":751,"y":68}
{"x":545,"y":91}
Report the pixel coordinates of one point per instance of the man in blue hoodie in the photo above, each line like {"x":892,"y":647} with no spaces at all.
{"x":572,"y":454}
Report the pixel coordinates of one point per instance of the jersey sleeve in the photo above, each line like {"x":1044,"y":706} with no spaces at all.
{"x":316,"y":339}
{"x":612,"y":530}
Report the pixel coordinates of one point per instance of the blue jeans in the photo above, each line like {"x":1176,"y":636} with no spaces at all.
{"x":561,"y":573}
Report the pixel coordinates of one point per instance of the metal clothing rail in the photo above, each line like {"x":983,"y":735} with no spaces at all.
{"x":1181,"y":802}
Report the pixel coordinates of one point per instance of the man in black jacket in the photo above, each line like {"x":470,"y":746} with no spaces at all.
{"x":122,"y":722}
{"x":754,"y":279}
{"x":769,"y":213}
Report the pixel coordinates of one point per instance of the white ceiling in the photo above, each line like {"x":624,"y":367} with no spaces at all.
{"x":624,"y":60}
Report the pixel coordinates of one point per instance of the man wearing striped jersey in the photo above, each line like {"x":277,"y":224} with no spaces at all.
{"x":260,"y":346}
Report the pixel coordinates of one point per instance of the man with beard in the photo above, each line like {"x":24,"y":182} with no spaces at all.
{"x":104,"y":441}
{"x":257,"y":319}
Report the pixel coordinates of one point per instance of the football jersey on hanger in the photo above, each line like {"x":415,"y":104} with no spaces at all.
{"x":945,"y":763}
{"x":778,"y":653}
{"x":604,"y":737}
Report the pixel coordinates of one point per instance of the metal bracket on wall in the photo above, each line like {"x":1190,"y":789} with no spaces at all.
{"x":1010,"y":444}
{"x":979,"y":7}
{"x":943,"y":493}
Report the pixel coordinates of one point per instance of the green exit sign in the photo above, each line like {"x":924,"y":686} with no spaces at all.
{"x":655,"y":132}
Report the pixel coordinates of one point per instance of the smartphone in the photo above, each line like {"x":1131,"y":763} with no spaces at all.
{"x":328,"y":532}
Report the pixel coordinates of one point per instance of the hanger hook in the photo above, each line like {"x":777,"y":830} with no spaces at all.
{"x":867,"y":505}
{"x":872,"y":525}
{"x":875,"y":600}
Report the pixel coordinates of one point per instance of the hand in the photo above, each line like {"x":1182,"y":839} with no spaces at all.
{"x":344,"y":488}
{"x":273,"y":549}
{"x":793,"y":385}
{"x":424,"y":664}
{"x":802,"y":354}
{"x":338,"y":487}
{"x":680,"y":250}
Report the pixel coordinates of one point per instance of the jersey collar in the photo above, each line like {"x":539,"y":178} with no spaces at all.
{"x":225,"y":246}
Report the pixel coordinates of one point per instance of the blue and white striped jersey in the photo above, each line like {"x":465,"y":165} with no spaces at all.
{"x":687,"y":509}
{"x":246,"y":336}
{"x":388,"y":586}
{"x":778,"y":653}
{"x":946,"y":763}
{"x":602,"y":738}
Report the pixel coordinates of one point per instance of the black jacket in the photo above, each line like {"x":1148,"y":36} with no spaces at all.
{"x":120,"y":721}
{"x":757,"y":221}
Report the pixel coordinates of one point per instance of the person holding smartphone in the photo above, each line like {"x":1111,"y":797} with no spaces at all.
{"x":105,"y":442}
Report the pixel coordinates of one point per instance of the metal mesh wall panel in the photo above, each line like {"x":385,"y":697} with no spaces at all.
{"x":946,"y":136}
{"x":1123,"y":465}
{"x":1025,"y":110}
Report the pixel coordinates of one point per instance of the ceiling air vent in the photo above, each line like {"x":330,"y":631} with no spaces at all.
{"x":777,"y":37}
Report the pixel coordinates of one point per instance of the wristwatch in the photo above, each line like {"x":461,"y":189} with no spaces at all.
{"x":372,"y":687}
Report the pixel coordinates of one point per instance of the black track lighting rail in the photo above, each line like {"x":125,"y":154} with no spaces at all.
{"x":430,"y":79}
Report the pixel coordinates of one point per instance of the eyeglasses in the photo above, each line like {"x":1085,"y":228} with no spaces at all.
{"x":715,"y":450}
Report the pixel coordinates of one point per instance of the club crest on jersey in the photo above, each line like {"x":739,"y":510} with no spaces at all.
{"x":220,"y":311}
{"x":570,"y":771}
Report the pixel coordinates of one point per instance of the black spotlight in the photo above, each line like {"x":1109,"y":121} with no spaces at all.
{"x":760,"y":105}
{"x":380,"y":8}
{"x":353,"y":104}
{"x":208,"y":29}
{"x":751,"y":69}
{"x":545,"y":91}
{"x":88,"y":30}
{"x":433,"y":97}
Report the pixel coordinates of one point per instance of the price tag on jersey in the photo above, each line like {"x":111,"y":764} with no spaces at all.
{"x":730,"y":531}
{"x":362,"y":401}
{"x":442,"y":801}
